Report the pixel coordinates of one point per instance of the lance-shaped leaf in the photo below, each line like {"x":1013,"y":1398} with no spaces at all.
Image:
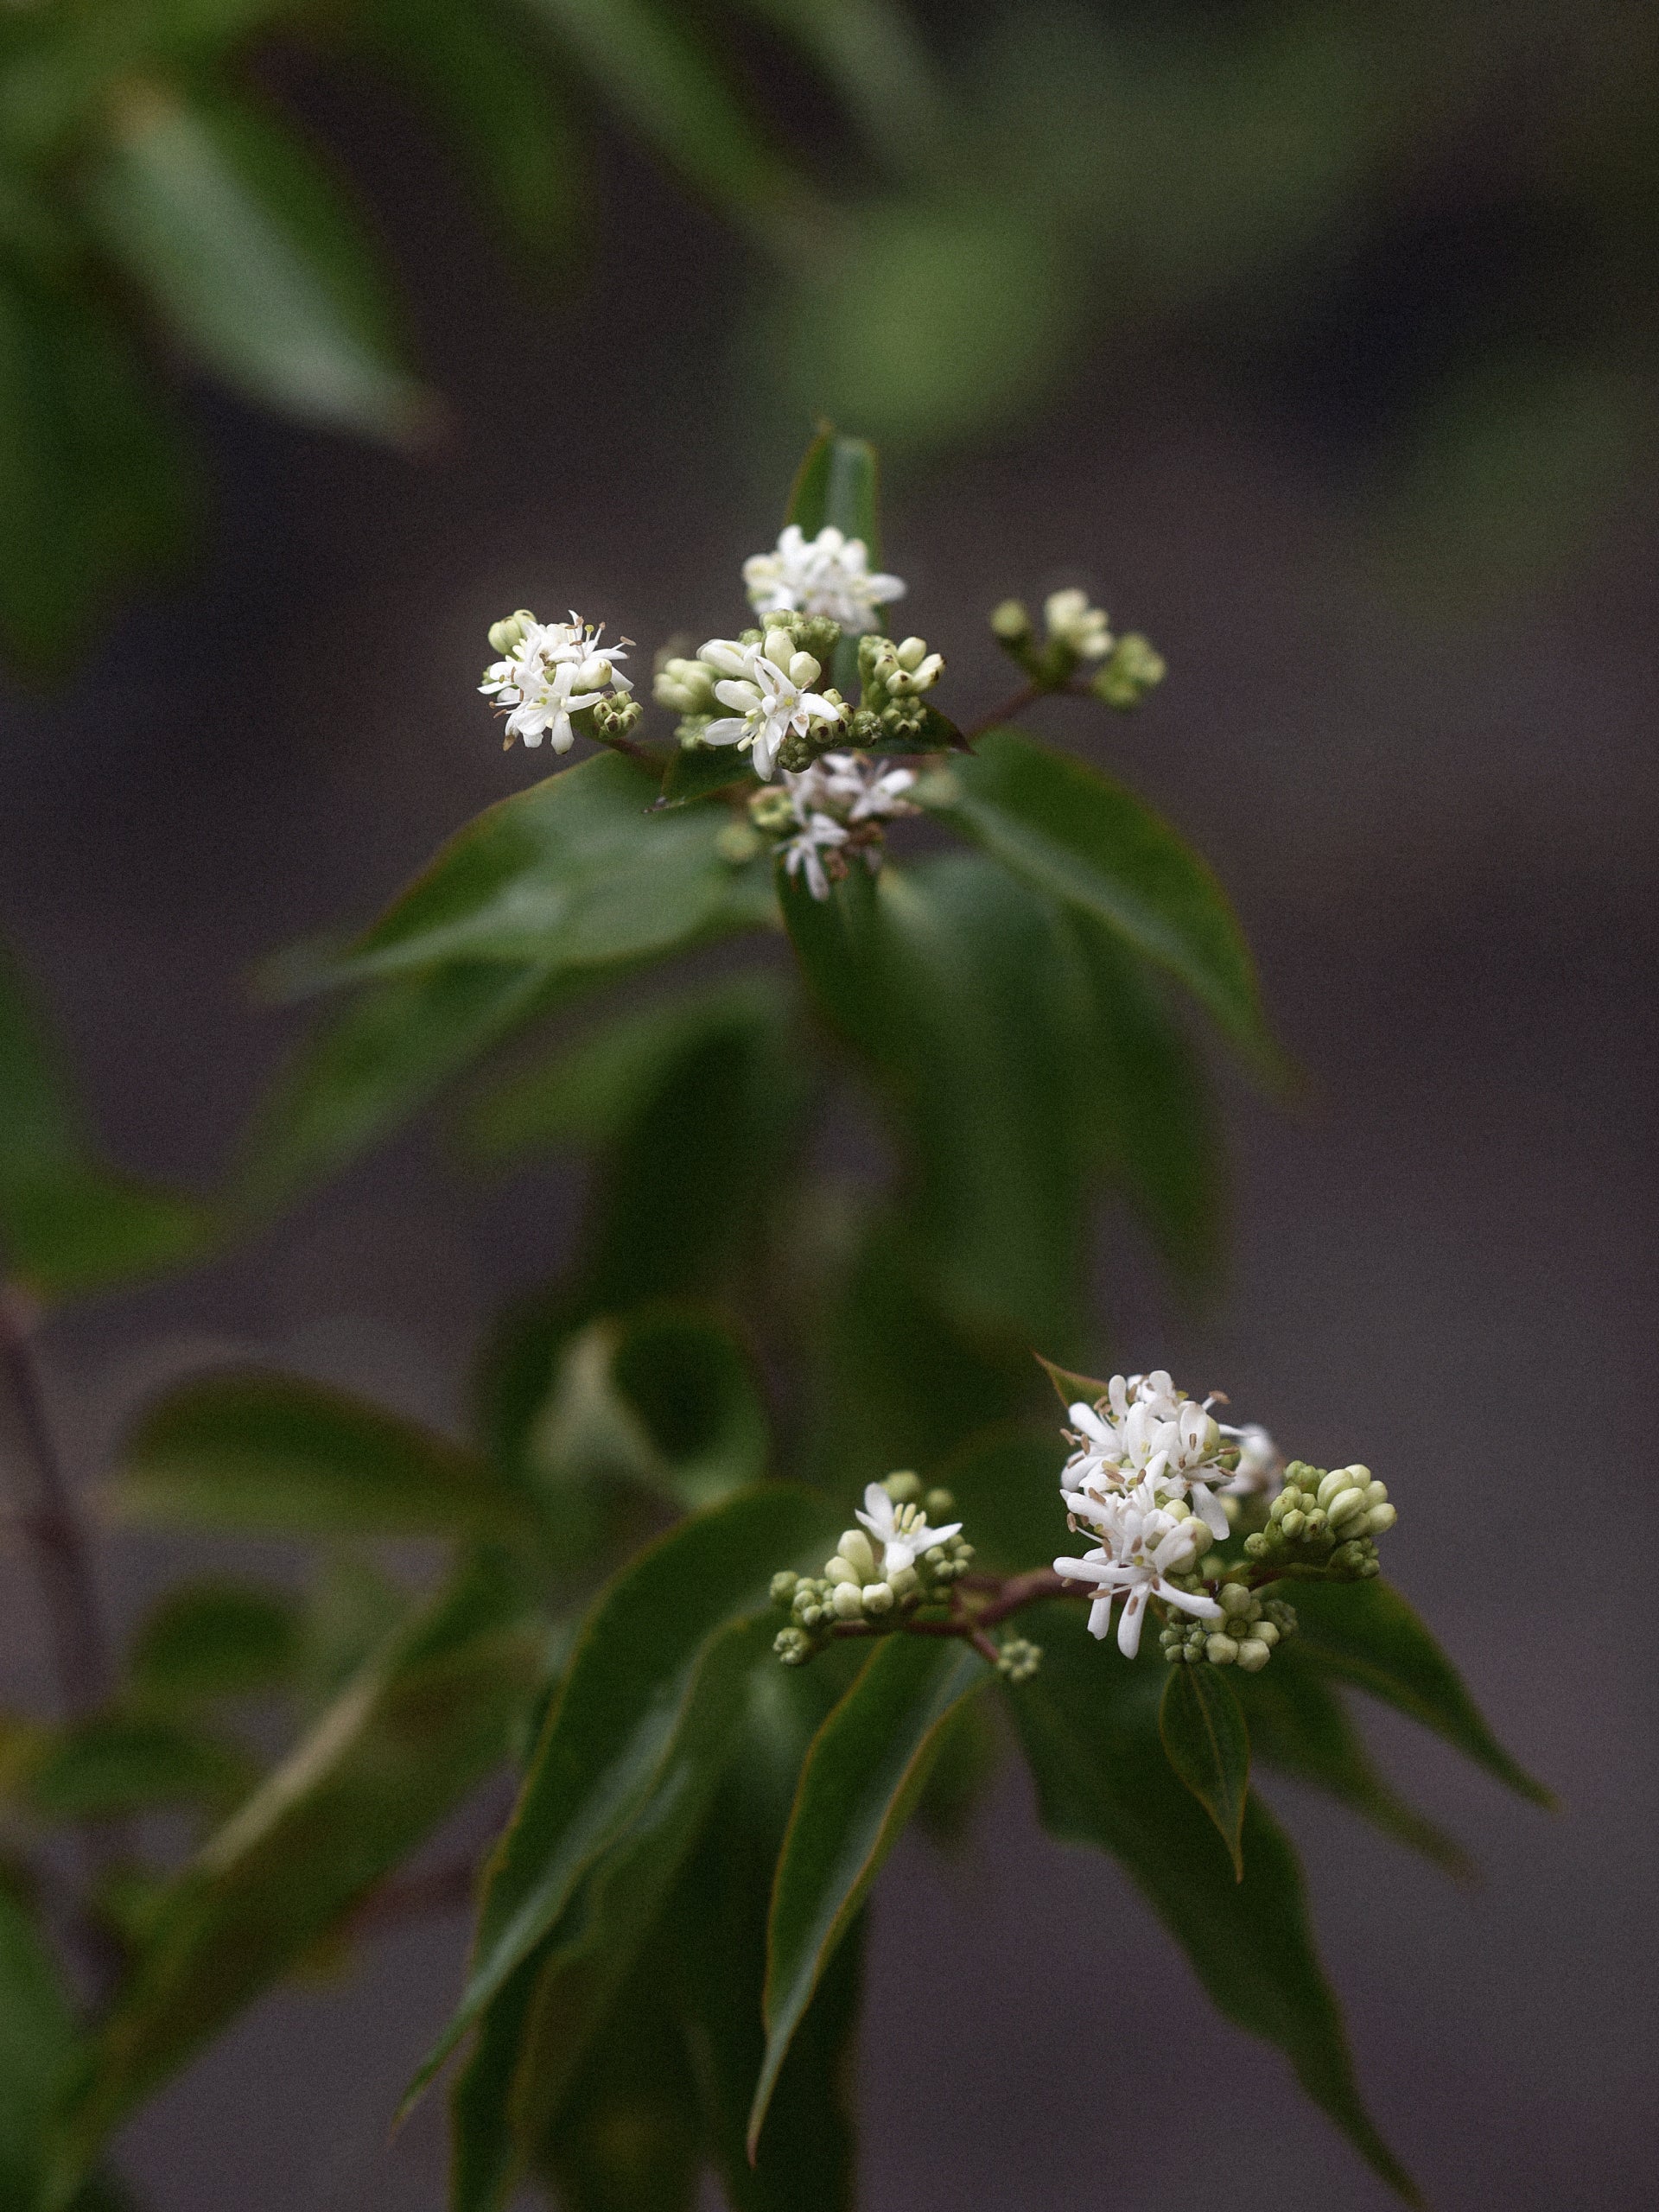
{"x":411,"y":1737}
{"x":1071,"y":1388}
{"x":116,"y":1763}
{"x":69,"y":1223}
{"x":838,"y":486}
{"x":576,"y":872}
{"x":248,"y":250}
{"x":627,"y":2138}
{"x":253,"y":1450}
{"x":649,"y":1660}
{"x":37,"y":2042}
{"x":697,"y":771}
{"x":1088,"y":1725}
{"x":1299,"y":1724}
{"x":1068,"y":829}
{"x":1366,"y":1633}
{"x":1209,"y":1746}
{"x":859,"y":1786}
{"x":215,"y":1639}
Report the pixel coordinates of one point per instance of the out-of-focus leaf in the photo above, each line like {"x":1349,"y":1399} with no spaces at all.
{"x":1007,"y":1485}
{"x":215,"y":1639}
{"x":628,"y":2139}
{"x":116,"y":1762}
{"x":576,"y":872}
{"x":649,"y":1662}
{"x":1301,"y":1724}
{"x":663,"y":1397}
{"x":1091,"y":843}
{"x":697,"y":771}
{"x":97,"y":489}
{"x":1366,"y":1633}
{"x":250,"y":1450}
{"x":368,"y":1070}
{"x":69,"y":1223}
{"x":409,"y":1738}
{"x":1089,"y":1724}
{"x":1209,"y":1746}
{"x":872,"y":53}
{"x":248,"y":252}
{"x":351,"y":1609}
{"x":646,"y":60}
{"x":36,"y":2043}
{"x":500,"y":104}
{"x":956,"y":988}
{"x":859,"y":1786}
{"x":1153,"y":1122}
{"x":839,"y":484}
{"x":966,"y":1759}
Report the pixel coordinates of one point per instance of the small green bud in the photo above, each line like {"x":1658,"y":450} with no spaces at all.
{"x":772,"y":811}
{"x":1019,"y":1659}
{"x":839,"y":1572}
{"x":856,"y":1548}
{"x":1256,"y":1545}
{"x":1220,"y":1651}
{"x":904,"y":1581}
{"x":1011,"y":622}
{"x":507,"y":635}
{"x":1254,"y":1655}
{"x":792,"y":1647}
{"x":1234,"y":1599}
{"x":904,"y":1488}
{"x":784,"y":1584}
{"x":879,"y":1597}
{"x":1380,"y":1519}
{"x":1135,"y":668}
{"x":1333,"y":1484}
{"x":1265,"y":1632}
{"x":847,"y":1601}
{"x":938,"y":1505}
{"x":737,"y":843}
{"x":1292,"y":1523}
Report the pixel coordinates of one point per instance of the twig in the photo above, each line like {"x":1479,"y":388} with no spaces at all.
{"x":1017,"y":704}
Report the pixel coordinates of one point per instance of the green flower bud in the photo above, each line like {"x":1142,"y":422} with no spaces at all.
{"x":938,"y":1505}
{"x":1254,"y":1655}
{"x":507,"y":635}
{"x":792,"y":1647}
{"x":1135,"y":668}
{"x":1293,"y":1523}
{"x":879,"y":1597}
{"x":1234,"y":1599}
{"x":847,"y":1603}
{"x":904,"y":1488}
{"x":737,"y":843}
{"x":904,"y":1581}
{"x":839,"y":1572}
{"x":1019,"y":1659}
{"x":1265,"y":1632}
{"x":856,"y":1548}
{"x":1220,"y":1651}
{"x":784,"y":1584}
{"x":1011,"y":622}
{"x":1380,"y":1519}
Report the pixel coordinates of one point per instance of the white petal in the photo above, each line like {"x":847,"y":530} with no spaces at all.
{"x":1128,"y":1626}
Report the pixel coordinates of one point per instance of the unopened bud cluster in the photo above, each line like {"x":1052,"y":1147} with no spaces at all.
{"x":1075,"y":634}
{"x":1327,"y":1520}
{"x":1249,"y":1627}
{"x":892,"y":712}
{"x":899,"y":1559}
{"x":1017,"y":1659}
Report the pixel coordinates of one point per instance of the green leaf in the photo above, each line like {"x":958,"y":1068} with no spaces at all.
{"x":116,"y":1763}
{"x":412,"y":1736}
{"x":222,"y":218}
{"x":649,"y":1662}
{"x":649,"y":64}
{"x":697,"y":771}
{"x":215,"y":1639}
{"x":98,"y":489}
{"x":250,"y":1450}
{"x":1007,"y":1485}
{"x":36,"y":2043}
{"x":628,"y":2139}
{"x":1071,"y":1388}
{"x":839,"y":484}
{"x":1070,"y":831}
{"x":68,"y":1224}
{"x":1301,"y":1724}
{"x":858,"y":1788}
{"x":663,"y":1397}
{"x":1153,"y":1125}
{"x":1209,"y":1746}
{"x":958,"y":991}
{"x":576,"y":872}
{"x":1366,"y":1633}
{"x":1089,"y":1724}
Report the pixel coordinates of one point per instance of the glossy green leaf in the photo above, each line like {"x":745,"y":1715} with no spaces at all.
{"x":248,"y":251}
{"x":118,"y":1763}
{"x":647,"y":61}
{"x":409,"y":1738}
{"x":68,"y":1224}
{"x":839,"y":486}
{"x":650,"y":1660}
{"x":36,"y":2043}
{"x":215,"y":1639}
{"x":1070,"y":831}
{"x":1154,"y":1124}
{"x":695,"y":771}
{"x":1007,"y":1485}
{"x":663,"y":1396}
{"x":1301,"y":1724}
{"x":578,"y":871}
{"x":628,"y":2138}
{"x":956,"y":989}
{"x":858,"y":1788}
{"x":1089,"y":1724}
{"x":1209,"y":1746}
{"x":1367,"y":1634}
{"x":1071,"y":1388}
{"x":97,"y":488}
{"x":252,"y":1450}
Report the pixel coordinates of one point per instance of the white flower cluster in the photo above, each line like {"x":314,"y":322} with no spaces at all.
{"x":896,"y":1560}
{"x":1144,"y":1476}
{"x":549,"y":671}
{"x":767,"y":687}
{"x":828,"y":802}
{"x":826,"y":574}
{"x":1073,"y":623}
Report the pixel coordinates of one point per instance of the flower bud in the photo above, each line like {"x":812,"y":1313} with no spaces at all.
{"x":938,"y":1505}
{"x":847,"y":1601}
{"x":1135,"y":668}
{"x":778,"y":647}
{"x":1264,"y":1632}
{"x":792,"y":1646}
{"x":841,"y":1573}
{"x":1380,"y":1519}
{"x":1220,"y":1651}
{"x":507,"y":635}
{"x":804,"y":671}
{"x":902,"y":1580}
{"x":854,"y":1548}
{"x":784,"y":1584}
{"x":879,"y":1597}
{"x":1234,"y":1598}
{"x":1254,"y":1655}
{"x":1011,"y":622}
{"x":904,"y":1488}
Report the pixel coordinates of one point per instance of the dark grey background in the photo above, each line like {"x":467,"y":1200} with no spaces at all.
{"x":1438,"y":831}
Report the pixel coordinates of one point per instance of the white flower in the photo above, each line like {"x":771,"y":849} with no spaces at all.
{"x":1145,"y":1429}
{"x":555,"y":671}
{"x":901,"y":1530}
{"x":1073,"y":622}
{"x":806,"y":849}
{"x":765,"y":687}
{"x":856,"y":788}
{"x":826,"y":575}
{"x":1261,"y":1463}
{"x":1142,"y":1545}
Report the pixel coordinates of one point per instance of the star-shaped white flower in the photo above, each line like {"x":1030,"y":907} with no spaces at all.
{"x":1261,"y":1463}
{"x":1142,"y":1546}
{"x":1145,"y":1430}
{"x":556,"y":671}
{"x":851,"y":786}
{"x":817,"y":834}
{"x":901,"y":1530}
{"x":766,"y":686}
{"x":826,"y":574}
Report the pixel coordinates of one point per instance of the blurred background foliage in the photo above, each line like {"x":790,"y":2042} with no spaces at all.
{"x":1442,"y":211}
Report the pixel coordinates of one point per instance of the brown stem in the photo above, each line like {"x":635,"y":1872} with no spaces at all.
{"x":654,"y":766}
{"x":1017,"y":705}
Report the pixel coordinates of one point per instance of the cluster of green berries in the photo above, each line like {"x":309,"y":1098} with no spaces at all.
{"x":1244,"y":1636}
{"x":1328,"y":1521}
{"x":857,"y":1588}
